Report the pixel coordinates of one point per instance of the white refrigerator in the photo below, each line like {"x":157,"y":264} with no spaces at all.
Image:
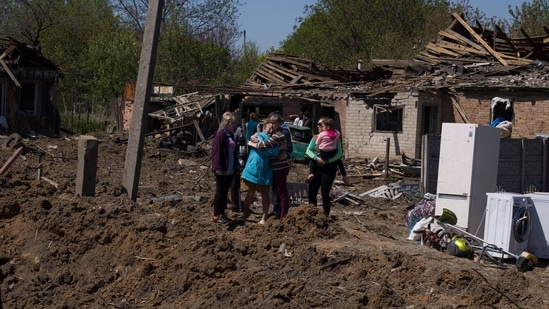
{"x":468,"y":167}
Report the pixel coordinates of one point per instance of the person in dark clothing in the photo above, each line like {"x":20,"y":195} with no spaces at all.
{"x":307,"y":121}
{"x":224,"y":165}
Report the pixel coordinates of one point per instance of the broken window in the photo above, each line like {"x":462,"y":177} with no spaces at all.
{"x":502,"y":115}
{"x":502,"y":110}
{"x":28,"y":97}
{"x":388,"y":118}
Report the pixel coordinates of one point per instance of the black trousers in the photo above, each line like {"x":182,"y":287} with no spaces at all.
{"x":222,"y":186}
{"x":323,"y":181}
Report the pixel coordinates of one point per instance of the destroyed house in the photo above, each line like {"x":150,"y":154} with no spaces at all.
{"x":27,"y":90}
{"x":470,"y":74}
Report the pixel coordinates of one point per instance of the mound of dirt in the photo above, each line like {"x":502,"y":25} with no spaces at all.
{"x":62,"y":250}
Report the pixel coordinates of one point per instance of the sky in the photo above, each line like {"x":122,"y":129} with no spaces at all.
{"x":268,"y":22}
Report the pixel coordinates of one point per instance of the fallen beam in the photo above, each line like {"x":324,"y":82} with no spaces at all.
{"x":21,"y":149}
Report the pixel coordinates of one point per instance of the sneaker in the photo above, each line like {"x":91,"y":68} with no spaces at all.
{"x":219,"y":219}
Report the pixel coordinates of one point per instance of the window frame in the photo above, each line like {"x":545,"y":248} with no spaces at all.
{"x":396,"y":117}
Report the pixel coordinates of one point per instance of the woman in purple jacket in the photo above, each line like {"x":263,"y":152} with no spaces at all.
{"x":224,"y":164}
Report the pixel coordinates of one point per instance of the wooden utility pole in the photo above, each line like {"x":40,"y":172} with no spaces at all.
{"x":147,"y":62}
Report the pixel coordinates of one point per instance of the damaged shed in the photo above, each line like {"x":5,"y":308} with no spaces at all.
{"x":27,"y":90}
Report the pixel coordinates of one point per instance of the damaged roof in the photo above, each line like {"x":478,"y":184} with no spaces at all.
{"x":286,"y":71}
{"x":15,"y":53}
{"x":463,"y":56}
{"x":16,"y":57}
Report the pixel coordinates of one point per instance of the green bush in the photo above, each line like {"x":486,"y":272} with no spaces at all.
{"x":83,"y":123}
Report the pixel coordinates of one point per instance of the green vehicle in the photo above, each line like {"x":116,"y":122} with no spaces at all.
{"x":301,"y":136}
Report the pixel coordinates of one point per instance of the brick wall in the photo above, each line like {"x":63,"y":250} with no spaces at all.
{"x":340,"y":111}
{"x":531,"y":110}
{"x":363,"y":142}
{"x":354,"y":116}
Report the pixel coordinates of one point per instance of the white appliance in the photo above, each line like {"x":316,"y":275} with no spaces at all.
{"x":508,"y":223}
{"x":538,"y":243}
{"x":467,"y":170}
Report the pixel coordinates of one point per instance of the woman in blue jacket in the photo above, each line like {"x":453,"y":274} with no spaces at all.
{"x":258,"y":174}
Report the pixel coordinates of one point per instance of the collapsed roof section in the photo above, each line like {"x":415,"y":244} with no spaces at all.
{"x":15,"y":57}
{"x":281,"y":71}
{"x":463,"y":56}
{"x":466,"y":44}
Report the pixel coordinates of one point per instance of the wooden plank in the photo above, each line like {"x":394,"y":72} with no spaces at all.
{"x":442,"y":50}
{"x":428,"y":56}
{"x":279,"y":70}
{"x":296,"y":79}
{"x":197,"y":127}
{"x":535,"y":47}
{"x":365,"y":175}
{"x":465,"y":40}
{"x":271,"y":76}
{"x":446,"y":34}
{"x":161,"y":117}
{"x":462,"y":48}
{"x":7,"y":51}
{"x":506,"y":38}
{"x":305,"y":63}
{"x":459,"y":108}
{"x":5,"y":66}
{"x":518,"y":61}
{"x":264,"y":77}
{"x":479,"y":39}
{"x":426,"y":59}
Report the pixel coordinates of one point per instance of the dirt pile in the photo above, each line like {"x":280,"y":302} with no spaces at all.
{"x":61,"y":250}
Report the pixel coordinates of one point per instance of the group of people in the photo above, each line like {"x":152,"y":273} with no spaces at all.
{"x":268,"y":164}
{"x":303,"y":119}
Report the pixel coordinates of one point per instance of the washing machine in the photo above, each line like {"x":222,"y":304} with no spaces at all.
{"x":507,"y":223}
{"x":538,"y":242}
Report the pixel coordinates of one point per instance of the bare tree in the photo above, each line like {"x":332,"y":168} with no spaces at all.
{"x":213,"y":21}
{"x":28,"y":19}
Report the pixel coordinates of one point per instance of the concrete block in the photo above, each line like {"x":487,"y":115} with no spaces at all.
{"x":88,"y":148}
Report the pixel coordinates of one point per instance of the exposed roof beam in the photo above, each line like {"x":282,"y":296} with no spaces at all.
{"x":479,"y":39}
